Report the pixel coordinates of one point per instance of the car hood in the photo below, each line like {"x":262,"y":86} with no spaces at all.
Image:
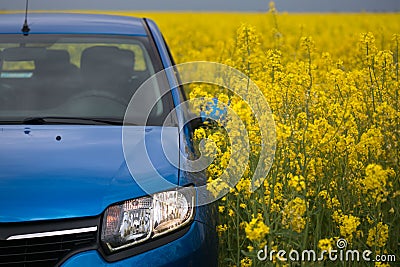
{"x":54,"y":172}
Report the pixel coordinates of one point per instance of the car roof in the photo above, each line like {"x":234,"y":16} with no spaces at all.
{"x":63,"y":23}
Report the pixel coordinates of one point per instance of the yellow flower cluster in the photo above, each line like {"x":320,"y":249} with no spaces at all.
{"x":378,"y":235}
{"x":221,"y":228}
{"x":374,"y":185}
{"x":325,"y":244}
{"x":292,"y":215}
{"x":256,"y":229}
{"x":347,"y":224}
{"x":246,"y":262}
{"x":297,"y":182}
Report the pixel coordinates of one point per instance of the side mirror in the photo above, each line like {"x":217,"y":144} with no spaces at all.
{"x":196,"y":123}
{"x":211,"y":115}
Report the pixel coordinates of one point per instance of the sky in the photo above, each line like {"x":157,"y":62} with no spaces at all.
{"x":208,"y":5}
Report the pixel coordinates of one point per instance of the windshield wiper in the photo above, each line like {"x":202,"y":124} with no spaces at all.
{"x":71,"y":120}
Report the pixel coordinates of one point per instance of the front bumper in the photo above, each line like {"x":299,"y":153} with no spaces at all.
{"x":198,"y":247}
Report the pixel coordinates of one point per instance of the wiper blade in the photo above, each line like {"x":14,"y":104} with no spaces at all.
{"x":71,"y":120}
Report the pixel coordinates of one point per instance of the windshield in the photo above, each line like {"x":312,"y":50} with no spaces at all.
{"x":74,"y":77}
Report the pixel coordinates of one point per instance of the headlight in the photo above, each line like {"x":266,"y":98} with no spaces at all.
{"x":137,"y":220}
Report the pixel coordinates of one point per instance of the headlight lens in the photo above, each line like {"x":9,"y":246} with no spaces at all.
{"x":138,"y":220}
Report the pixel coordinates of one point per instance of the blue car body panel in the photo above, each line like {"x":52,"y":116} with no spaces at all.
{"x":193,"y":249}
{"x":80,"y":175}
{"x":185,"y":137}
{"x":59,"y":23}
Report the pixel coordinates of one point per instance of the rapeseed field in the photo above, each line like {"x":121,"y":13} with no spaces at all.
{"x":332,"y":84}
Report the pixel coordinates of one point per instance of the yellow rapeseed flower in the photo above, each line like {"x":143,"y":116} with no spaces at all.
{"x":378,"y":235}
{"x":221,"y":209}
{"x":256,"y":229}
{"x":297,"y":182}
{"x":246,"y":262}
{"x":374,"y":185}
{"x":348,"y":226}
{"x":292,"y":215}
{"x":325,"y":244}
{"x":221,"y":228}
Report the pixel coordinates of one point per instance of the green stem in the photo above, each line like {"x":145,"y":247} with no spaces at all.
{"x":237,"y":232}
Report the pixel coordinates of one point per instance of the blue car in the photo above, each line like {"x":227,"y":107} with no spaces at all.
{"x":76,"y":186}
